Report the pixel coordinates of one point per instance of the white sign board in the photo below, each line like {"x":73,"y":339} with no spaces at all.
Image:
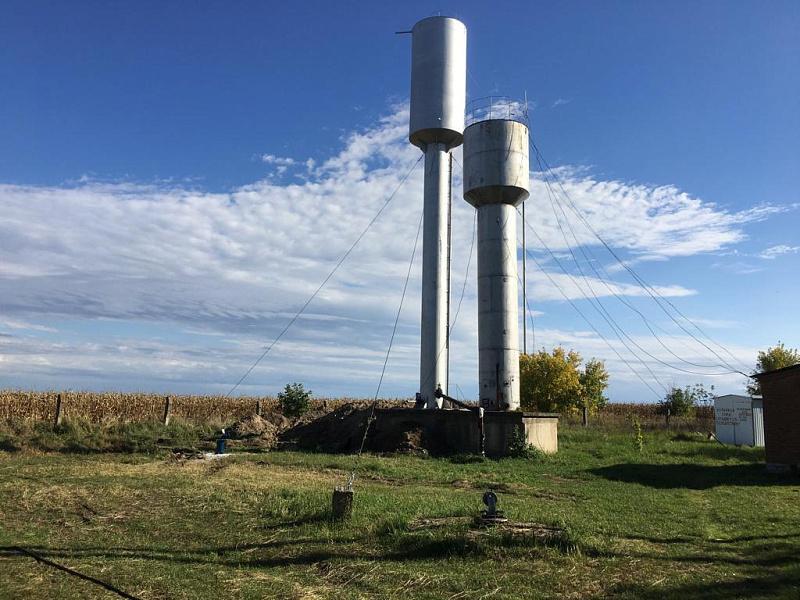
{"x":734,"y":419}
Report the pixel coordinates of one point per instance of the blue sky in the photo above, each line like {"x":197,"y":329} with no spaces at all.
{"x":175,"y":179}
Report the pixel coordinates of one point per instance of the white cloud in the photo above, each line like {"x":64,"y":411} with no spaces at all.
{"x":17,"y":324}
{"x":779,"y":250}
{"x":651,"y":222}
{"x":190,"y":284}
{"x":715,"y":323}
{"x":283,"y":161}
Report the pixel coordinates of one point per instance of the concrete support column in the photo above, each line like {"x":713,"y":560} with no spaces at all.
{"x":498,"y":311}
{"x":433,"y":347}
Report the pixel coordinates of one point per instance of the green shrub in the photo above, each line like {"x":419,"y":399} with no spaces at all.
{"x":681,"y":402}
{"x":294,"y":400}
{"x":518,"y":447}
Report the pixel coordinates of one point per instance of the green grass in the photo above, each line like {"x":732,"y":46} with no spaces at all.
{"x":685,"y":517}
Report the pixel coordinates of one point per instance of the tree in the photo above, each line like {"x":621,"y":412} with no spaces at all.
{"x":679,"y":402}
{"x":294,"y":400}
{"x":594,"y":381}
{"x":770,"y":359}
{"x":554,"y":382}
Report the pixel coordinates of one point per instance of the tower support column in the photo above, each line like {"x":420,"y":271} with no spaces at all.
{"x":498,"y":313}
{"x":434,"y":351}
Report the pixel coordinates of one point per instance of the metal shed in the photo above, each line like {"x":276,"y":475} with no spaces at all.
{"x":739,"y":420}
{"x":781,"y":391}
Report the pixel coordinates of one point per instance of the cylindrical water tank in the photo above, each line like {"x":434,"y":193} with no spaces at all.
{"x":496,"y":168}
{"x":438,"y":82}
{"x":496,"y":180}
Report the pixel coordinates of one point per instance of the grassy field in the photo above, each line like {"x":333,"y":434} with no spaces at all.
{"x":685,"y":517}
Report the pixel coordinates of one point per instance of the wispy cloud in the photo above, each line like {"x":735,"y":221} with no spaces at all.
{"x":281,"y":163}
{"x":779,"y":250}
{"x":653,"y":223}
{"x":17,"y":324}
{"x":197,"y":282}
{"x":561,"y":102}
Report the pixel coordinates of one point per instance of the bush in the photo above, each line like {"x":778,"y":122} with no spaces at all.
{"x":681,"y":402}
{"x":518,"y":447}
{"x":294,"y":400}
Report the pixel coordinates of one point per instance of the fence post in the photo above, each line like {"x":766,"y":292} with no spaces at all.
{"x":167,"y":410}
{"x":667,"y":415}
{"x":58,"y":411}
{"x":585,"y":416}
{"x":258,"y":407}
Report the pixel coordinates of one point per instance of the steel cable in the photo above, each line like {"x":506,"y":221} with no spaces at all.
{"x":325,"y":281}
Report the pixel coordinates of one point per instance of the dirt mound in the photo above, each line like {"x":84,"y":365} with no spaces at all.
{"x":250,"y":426}
{"x":340,"y":430}
{"x":327,"y":427}
{"x":276,"y":419}
{"x":255,"y":430}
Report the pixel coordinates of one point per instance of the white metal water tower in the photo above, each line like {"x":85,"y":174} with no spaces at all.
{"x":438,"y":96}
{"x":496,"y":181}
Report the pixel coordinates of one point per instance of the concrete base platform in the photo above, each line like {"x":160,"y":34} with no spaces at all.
{"x":458,"y":431}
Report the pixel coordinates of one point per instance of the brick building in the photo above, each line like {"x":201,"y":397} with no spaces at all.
{"x":781,"y":392}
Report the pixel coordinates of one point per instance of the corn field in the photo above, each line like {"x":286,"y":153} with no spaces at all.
{"x":106,"y":407}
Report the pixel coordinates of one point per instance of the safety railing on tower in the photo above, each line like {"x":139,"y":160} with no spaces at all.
{"x":497,"y":107}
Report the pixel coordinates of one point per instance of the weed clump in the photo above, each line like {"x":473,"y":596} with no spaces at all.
{"x":518,"y":447}
{"x":638,"y":438}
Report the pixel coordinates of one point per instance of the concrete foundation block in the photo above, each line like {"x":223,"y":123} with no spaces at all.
{"x":443,"y":432}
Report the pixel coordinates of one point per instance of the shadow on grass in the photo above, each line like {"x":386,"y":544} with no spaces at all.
{"x":312,"y":519}
{"x":693,"y":476}
{"x":719,"y":452}
{"x":312,"y":550}
{"x":771,"y":585}
{"x":770,"y":568}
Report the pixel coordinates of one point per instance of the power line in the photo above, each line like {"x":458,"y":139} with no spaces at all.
{"x":652,"y":292}
{"x":585,"y":318}
{"x":597,"y":304}
{"x":388,"y":352}
{"x":466,"y":272}
{"x":553,"y":204}
{"x":399,"y":309}
{"x":325,"y":281}
{"x":604,"y":277}
{"x":589,"y":323}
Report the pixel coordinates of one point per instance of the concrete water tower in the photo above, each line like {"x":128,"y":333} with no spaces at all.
{"x":438,"y":96}
{"x":496,"y":182}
